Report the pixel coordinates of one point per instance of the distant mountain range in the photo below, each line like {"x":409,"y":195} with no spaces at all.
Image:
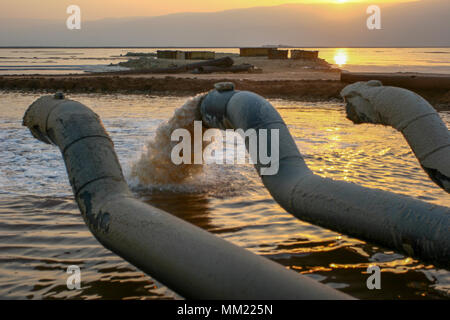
{"x":414,"y":24}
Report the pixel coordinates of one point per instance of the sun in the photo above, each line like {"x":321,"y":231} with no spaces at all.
{"x":341,"y":1}
{"x":340,"y":57}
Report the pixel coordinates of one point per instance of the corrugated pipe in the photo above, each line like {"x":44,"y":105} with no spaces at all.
{"x":409,"y":113}
{"x":399,"y":222}
{"x":189,"y":260}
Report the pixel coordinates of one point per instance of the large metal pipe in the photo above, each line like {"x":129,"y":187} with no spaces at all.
{"x":187,"y":259}
{"x":405,"y":224}
{"x":409,"y":113}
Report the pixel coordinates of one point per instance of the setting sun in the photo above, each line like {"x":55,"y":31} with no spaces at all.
{"x":340,"y":57}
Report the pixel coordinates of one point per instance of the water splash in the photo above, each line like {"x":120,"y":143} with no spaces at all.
{"x":155,"y":165}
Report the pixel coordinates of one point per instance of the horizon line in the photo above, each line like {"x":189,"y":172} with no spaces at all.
{"x":213,"y":47}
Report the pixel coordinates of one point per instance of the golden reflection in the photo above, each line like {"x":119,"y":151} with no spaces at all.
{"x":372,"y":156}
{"x":316,"y":269}
{"x":341,"y":57}
{"x":395,"y":266}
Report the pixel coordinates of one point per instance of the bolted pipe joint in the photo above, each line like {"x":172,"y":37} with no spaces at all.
{"x":214,"y":105}
{"x":231,"y":109}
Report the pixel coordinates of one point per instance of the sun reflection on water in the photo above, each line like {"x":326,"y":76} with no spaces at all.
{"x":341,"y":57}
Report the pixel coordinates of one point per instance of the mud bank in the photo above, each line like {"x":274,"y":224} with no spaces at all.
{"x":306,"y":90}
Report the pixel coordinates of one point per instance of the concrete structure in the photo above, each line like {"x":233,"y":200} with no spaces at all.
{"x":188,"y":55}
{"x":189,"y":260}
{"x":405,"y":224}
{"x":200,"y":55}
{"x":254,"y":52}
{"x":170,"y":54}
{"x":278,"y":54}
{"x":304,"y":54}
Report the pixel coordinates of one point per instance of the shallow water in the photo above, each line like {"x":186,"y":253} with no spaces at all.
{"x":80,"y":60}
{"x":42,"y":232}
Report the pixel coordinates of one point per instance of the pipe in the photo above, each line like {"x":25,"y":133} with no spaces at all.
{"x":189,"y":260}
{"x":413,"y":81}
{"x":409,"y":113}
{"x":405,"y":224}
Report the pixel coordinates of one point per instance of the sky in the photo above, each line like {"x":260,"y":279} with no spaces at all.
{"x":100,"y":9}
{"x":213,"y":23}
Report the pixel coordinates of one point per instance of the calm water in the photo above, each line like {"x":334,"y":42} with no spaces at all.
{"x":72,"y":60}
{"x":42,"y":232}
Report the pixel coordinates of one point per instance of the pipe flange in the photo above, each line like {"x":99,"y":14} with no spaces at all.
{"x":224,"y":86}
{"x":213,"y":107}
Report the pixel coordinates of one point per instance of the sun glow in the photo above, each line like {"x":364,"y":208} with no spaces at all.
{"x":340,"y":57}
{"x":100,"y":9}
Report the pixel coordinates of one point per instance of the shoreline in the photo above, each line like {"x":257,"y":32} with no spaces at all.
{"x":310,"y":86}
{"x":209,"y":47}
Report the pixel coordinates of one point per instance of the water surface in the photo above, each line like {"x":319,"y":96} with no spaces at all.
{"x":80,"y":60}
{"x":42,"y":232}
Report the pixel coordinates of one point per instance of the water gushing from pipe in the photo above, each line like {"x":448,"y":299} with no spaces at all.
{"x":155,"y":165}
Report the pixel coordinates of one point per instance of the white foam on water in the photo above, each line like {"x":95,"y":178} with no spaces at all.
{"x":155,"y":166}
{"x":154,"y":169}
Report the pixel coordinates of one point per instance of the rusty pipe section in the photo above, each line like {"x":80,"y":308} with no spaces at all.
{"x":409,"y":113}
{"x":395,"y":221}
{"x":189,"y":260}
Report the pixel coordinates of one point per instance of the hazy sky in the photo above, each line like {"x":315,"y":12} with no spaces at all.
{"x":98,"y":9}
{"x":419,"y":23}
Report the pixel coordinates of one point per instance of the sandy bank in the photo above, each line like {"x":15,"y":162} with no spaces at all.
{"x":311,"y":88}
{"x":307,"y":85}
{"x":292,"y":68}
